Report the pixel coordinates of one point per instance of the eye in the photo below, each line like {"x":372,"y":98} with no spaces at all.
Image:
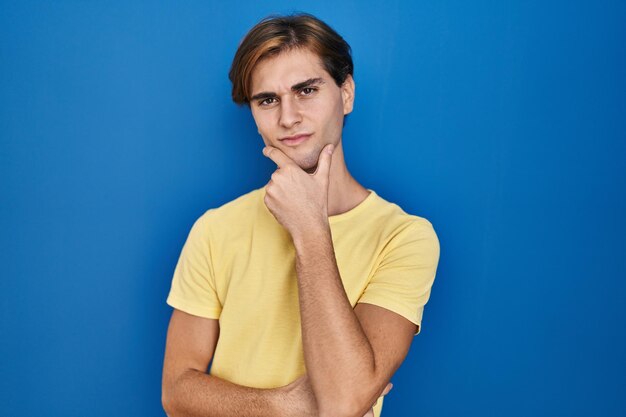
{"x":265,"y":102}
{"x":311,"y":89}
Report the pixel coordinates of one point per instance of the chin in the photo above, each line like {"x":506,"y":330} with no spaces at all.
{"x":310,"y":170}
{"x":307,"y":166}
{"x":308,"y":162}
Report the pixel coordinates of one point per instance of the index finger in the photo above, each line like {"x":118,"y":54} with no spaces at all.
{"x":278,"y":156}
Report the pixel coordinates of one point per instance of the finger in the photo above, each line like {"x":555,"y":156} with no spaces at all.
{"x":323,"y":162}
{"x":278,"y":156}
{"x":369,"y":413}
{"x":387,"y":389}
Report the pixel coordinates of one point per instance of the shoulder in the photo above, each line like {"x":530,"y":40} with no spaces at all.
{"x":397,"y":222}
{"x":232,"y":212}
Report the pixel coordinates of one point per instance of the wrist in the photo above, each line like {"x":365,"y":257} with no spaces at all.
{"x":315,"y":232}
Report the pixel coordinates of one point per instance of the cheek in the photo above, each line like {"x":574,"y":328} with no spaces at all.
{"x":322,"y":110}
{"x":326,"y":119}
{"x":262,"y":124}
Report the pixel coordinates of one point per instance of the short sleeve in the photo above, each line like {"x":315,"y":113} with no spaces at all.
{"x":193,"y":284}
{"x":403,"y":278}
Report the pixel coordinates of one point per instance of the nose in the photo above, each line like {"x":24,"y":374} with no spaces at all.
{"x":289,"y":113}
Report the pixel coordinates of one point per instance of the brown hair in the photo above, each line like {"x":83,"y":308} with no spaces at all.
{"x":275,"y":34}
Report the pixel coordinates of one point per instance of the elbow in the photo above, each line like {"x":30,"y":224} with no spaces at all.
{"x":166,"y":403}
{"x":167,"y":400}
{"x":338,"y":413}
{"x":170,"y":396}
{"x":334,"y":412}
{"x":345,"y":407}
{"x":348,"y":404}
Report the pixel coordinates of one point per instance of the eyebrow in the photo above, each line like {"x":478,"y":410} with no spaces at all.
{"x":295,"y":87}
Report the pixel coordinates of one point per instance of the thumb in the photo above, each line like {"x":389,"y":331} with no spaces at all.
{"x":387,"y":389}
{"x":323,"y":163}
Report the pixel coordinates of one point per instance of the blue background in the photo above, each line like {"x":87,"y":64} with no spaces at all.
{"x":503,"y":123}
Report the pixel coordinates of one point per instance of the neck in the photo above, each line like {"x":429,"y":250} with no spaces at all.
{"x":344,"y":192}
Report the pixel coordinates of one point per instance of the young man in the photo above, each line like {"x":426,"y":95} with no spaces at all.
{"x":306,"y":293}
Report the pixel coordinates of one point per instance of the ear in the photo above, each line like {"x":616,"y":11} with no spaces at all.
{"x":347,"y":94}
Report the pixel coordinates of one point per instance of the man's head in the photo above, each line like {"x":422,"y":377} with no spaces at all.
{"x":295,"y":74}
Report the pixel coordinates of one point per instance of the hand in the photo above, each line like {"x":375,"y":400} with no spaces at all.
{"x":297,"y":199}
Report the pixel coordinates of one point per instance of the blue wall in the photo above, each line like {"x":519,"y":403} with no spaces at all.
{"x":503,"y":123}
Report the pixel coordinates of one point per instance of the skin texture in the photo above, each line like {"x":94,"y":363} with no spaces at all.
{"x":351,"y":354}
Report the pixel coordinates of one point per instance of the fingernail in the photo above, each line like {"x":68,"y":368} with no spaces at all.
{"x":330,"y":149}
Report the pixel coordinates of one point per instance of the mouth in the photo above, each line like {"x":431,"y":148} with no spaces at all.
{"x":295,"y":140}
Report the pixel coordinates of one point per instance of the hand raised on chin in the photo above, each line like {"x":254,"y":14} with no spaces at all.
{"x":297,"y":199}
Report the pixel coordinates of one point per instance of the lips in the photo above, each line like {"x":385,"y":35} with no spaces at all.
{"x":295,"y":136}
{"x":296,"y":139}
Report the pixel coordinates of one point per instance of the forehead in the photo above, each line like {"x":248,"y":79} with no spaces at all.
{"x":278,"y":73}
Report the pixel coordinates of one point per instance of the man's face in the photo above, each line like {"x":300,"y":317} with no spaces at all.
{"x":293,"y":94}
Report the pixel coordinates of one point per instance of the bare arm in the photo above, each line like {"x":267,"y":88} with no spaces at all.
{"x":188,"y":391}
{"x":350,"y":354}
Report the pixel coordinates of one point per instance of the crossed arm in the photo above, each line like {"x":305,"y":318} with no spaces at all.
{"x":188,"y":391}
{"x":361,"y":349}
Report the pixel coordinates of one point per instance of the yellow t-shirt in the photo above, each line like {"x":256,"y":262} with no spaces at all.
{"x":238,"y":265}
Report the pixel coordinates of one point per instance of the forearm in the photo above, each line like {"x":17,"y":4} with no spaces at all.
{"x":337,"y":353}
{"x":198,"y":394}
